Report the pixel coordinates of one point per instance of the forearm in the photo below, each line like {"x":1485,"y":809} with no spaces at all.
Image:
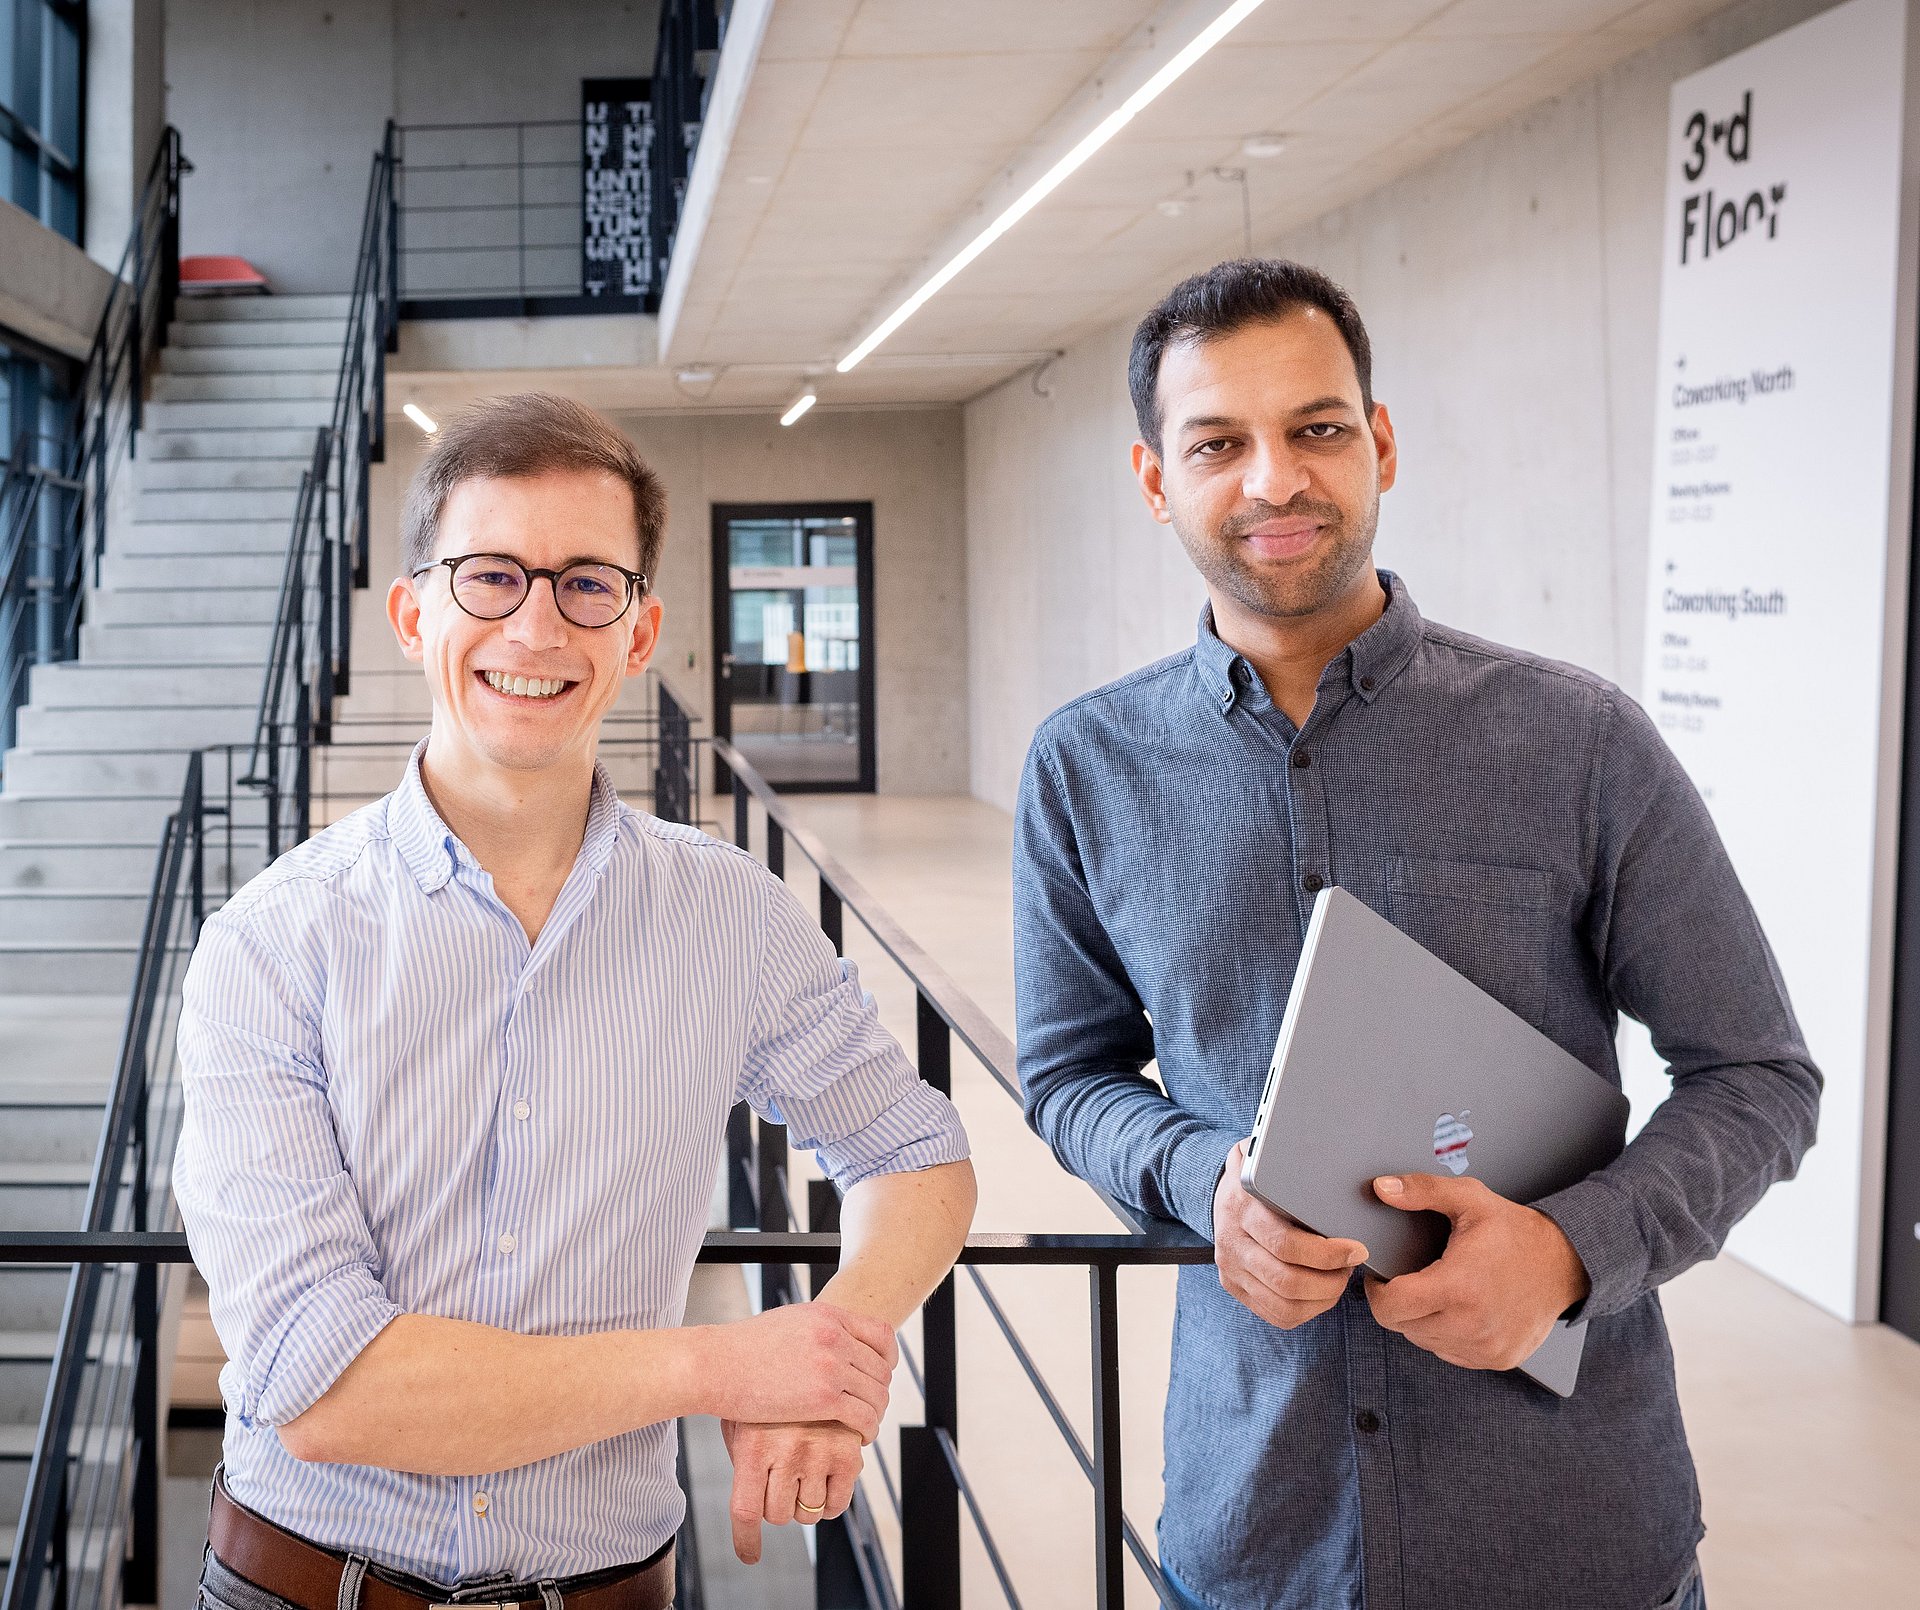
{"x":444,"y":1397}
{"x":1118,"y":1131}
{"x":899,"y":1235}
{"x":1704,"y":1158}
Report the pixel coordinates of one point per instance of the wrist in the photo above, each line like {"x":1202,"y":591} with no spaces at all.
{"x":1571,"y":1283}
{"x":687,"y":1370}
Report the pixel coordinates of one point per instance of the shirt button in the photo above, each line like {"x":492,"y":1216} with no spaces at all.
{"x":507,"y":1242}
{"x":1367,"y":1421}
{"x":1313,"y":883}
{"x":1302,"y":759}
{"x":481,"y":1503}
{"x":1366,"y":684}
{"x":521,"y":1109}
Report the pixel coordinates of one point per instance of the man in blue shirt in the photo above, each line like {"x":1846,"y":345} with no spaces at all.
{"x":1332,"y":1442}
{"x":457,"y":1074}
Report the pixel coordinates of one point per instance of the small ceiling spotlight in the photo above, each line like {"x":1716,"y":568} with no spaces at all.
{"x":1263,"y":145}
{"x":695,"y":375}
{"x":419,"y":416}
{"x":1172,"y":207}
{"x":799,"y":408}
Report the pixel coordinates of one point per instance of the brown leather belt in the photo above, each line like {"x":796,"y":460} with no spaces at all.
{"x":307,"y":1575}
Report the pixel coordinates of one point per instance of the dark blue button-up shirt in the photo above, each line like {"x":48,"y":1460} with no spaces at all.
{"x":1523,"y":820}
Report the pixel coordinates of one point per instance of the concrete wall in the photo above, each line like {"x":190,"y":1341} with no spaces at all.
{"x":907,"y":462}
{"x":281,"y":103}
{"x":1511,"y":288}
{"x":52,"y":292}
{"x":126,"y":110}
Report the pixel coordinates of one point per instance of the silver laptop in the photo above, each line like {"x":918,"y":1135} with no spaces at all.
{"x":1389,"y":1062}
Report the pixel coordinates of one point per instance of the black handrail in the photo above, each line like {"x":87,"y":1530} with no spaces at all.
{"x":308,"y":659}
{"x":53,"y":516}
{"x":933,"y":1482}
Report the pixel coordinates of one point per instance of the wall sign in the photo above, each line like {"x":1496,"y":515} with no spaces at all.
{"x":1767,"y":568}
{"x":616,"y":187}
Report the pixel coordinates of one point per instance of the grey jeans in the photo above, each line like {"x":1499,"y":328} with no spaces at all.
{"x":1690,"y":1595}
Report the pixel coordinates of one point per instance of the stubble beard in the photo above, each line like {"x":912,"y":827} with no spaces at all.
{"x":1283,"y":590}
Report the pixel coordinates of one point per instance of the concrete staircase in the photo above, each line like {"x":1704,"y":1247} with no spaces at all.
{"x":174,"y":642}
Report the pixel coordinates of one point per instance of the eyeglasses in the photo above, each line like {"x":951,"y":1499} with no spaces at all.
{"x":491,"y":586}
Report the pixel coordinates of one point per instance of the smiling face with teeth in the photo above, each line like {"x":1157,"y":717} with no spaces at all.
{"x":525,"y":694}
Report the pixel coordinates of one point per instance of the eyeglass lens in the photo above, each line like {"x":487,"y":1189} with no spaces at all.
{"x":493,"y":587}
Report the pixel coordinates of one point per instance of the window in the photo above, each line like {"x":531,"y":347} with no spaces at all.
{"x":42,"y":67}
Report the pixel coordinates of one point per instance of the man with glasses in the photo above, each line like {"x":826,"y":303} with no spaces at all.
{"x":457,"y":1076}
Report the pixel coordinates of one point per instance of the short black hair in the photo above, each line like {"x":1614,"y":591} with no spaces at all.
{"x":1227,"y":297}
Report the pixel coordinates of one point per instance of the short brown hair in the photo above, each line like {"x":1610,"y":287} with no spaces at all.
{"x":528,"y":433}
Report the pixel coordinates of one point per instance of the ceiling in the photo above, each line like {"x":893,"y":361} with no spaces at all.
{"x":874,"y":136}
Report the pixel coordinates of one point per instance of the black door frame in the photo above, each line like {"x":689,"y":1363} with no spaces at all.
{"x":862,"y":516}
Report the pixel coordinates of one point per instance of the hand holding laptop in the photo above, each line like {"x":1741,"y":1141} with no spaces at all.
{"x":1490,"y":1299}
{"x":1285,"y":1274}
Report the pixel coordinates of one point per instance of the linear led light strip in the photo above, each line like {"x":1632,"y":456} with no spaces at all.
{"x":1051,"y":180}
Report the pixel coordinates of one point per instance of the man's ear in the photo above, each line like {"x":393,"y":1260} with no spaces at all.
{"x":403,"y":613}
{"x":646,"y":634}
{"x":1384,"y":446}
{"x":1146,"y":470}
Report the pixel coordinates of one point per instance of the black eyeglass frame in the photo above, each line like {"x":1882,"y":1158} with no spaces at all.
{"x":636,"y":586}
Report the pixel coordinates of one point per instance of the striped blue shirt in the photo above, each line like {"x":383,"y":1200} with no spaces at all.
{"x":395,"y":1105}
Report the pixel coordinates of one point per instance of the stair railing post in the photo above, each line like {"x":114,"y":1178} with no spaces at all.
{"x":776,"y":1279}
{"x":140,"y":1576}
{"x":1109,"y":1521}
{"x":929,"y":1495}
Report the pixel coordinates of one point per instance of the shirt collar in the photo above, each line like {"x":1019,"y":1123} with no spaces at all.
{"x":432,"y":852}
{"x":1367,"y":664}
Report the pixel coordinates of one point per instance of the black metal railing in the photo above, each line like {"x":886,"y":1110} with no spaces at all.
{"x":931,"y":1488}
{"x":309,"y":655}
{"x":102,"y":1414}
{"x":88,"y":1531}
{"x":54,"y":495}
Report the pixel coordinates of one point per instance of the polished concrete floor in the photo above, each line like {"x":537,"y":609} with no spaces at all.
{"x":1806,"y":1431}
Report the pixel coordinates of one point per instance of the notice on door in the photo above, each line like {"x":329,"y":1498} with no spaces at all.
{"x":1767,"y":573}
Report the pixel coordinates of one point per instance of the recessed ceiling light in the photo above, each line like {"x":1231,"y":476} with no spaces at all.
{"x":798,"y":409}
{"x":1056,"y":175}
{"x":1171,"y":208}
{"x":418,"y":415}
{"x":695,"y":376}
{"x":1263,"y":145}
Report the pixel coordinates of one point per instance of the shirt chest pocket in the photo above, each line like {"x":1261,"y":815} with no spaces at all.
{"x":1491,"y":923}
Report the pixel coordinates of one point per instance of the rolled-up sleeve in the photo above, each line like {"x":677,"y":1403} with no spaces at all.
{"x":819,"y":1061}
{"x":270,"y":1210}
{"x":1679,"y":948}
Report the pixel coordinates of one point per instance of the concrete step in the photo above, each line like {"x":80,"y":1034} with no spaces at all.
{"x":167,"y":446}
{"x":226,"y":573}
{"x":46,"y":1124}
{"x":232,"y":643}
{"x":250,"y":387}
{"x":100,"y":1446}
{"x":214,"y":503}
{"x":267,"y":309}
{"x":124,"y":817}
{"x":273,"y":413}
{"x":187,"y":334}
{"x":110,"y":727}
{"x":184,"y":606}
{"x":56,"y":916}
{"x":33,"y":1295}
{"x":83,"y":864}
{"x":80,"y":686}
{"x":221,"y":474}
{"x":26,"y":1360}
{"x":35,"y":967}
{"x":153,"y":768}
{"x":201,"y":540}
{"x":42,"y":1196}
{"x":320,"y":358}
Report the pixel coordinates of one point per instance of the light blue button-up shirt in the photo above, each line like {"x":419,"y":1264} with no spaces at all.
{"x":395,"y":1105}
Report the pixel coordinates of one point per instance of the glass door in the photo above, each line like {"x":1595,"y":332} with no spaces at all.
{"x":793,"y":641}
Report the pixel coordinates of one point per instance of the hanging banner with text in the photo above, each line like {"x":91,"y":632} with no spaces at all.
{"x":1767,"y":573}
{"x":616,"y":186}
